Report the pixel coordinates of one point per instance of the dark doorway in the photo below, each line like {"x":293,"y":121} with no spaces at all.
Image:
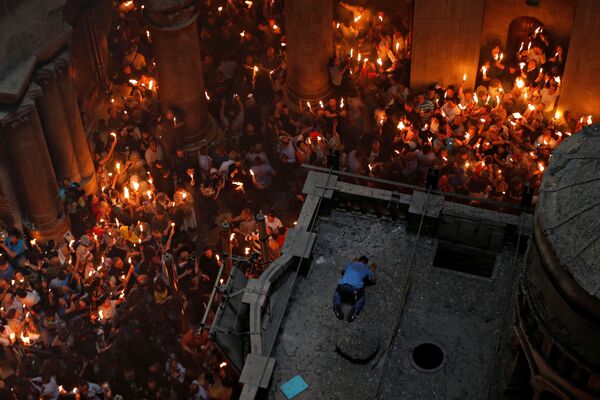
{"x":518,"y":31}
{"x":465,"y":259}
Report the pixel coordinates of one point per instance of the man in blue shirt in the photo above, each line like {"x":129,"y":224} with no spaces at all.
{"x":13,"y":247}
{"x":351,"y":287}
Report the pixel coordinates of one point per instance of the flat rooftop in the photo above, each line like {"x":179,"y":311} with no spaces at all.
{"x":467,"y":316}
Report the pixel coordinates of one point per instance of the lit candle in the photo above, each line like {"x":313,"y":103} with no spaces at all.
{"x":126,"y":192}
{"x":464,"y":77}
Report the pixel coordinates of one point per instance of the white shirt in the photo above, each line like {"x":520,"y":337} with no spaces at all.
{"x":49,"y":389}
{"x":274,"y":224}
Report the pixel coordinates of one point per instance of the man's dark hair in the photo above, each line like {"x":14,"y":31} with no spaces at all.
{"x":363,"y":259}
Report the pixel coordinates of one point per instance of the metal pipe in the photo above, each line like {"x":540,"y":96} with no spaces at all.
{"x":263,"y":237}
{"x":225,"y":236}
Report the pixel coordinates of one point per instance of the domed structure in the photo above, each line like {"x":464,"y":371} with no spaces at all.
{"x":559,"y":300}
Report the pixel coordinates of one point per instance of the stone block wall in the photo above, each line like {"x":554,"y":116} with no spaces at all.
{"x":581,"y":81}
{"x":446,"y":38}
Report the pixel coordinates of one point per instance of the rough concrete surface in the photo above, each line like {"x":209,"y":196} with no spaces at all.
{"x":568,"y":207}
{"x":462,"y":314}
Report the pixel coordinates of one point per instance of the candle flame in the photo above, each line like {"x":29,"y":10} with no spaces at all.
{"x":232,"y":236}
{"x":357,"y":18}
{"x":223,"y":364}
{"x":401,"y":125}
{"x":133,"y":81}
{"x":379,"y":61}
{"x":207,"y":96}
{"x":247,"y":250}
{"x":126,"y":192}
{"x":520,"y":83}
{"x":464,"y":77}
{"x":541,"y":167}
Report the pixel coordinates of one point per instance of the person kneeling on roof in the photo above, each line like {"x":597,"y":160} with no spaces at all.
{"x":351,"y":287}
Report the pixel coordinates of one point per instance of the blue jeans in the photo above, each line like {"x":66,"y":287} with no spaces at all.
{"x":351,"y":295}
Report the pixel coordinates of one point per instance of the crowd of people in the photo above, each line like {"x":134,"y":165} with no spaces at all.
{"x":114,"y":309}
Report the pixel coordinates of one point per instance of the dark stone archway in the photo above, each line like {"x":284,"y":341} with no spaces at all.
{"x":518,"y":32}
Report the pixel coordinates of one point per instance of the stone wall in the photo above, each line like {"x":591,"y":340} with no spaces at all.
{"x":581,"y":81}
{"x":446,"y":41}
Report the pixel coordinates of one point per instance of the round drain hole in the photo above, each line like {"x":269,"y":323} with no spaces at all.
{"x":428,"y":356}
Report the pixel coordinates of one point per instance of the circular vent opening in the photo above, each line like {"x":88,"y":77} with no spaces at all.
{"x":428,"y":356}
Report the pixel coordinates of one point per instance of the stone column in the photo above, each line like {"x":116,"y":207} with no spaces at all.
{"x":9,"y":209}
{"x":176,"y":46}
{"x":580,"y":87}
{"x":446,"y":42}
{"x":56,"y":128}
{"x":31,"y":168}
{"x":309,"y":47}
{"x":81,"y":145}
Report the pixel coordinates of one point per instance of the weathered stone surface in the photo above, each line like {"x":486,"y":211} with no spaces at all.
{"x":464,"y":315}
{"x":568,"y":207}
{"x":357,"y":342}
